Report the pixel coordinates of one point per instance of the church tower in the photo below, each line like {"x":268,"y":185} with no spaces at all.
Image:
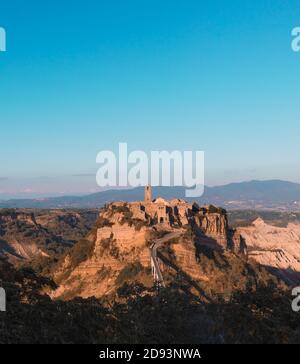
{"x":148,"y":194}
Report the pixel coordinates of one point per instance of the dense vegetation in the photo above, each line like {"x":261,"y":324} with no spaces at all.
{"x":244,"y":306}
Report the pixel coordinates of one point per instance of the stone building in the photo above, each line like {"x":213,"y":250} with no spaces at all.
{"x":161,"y":211}
{"x":209,"y":223}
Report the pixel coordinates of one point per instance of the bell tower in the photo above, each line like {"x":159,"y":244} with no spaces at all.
{"x":148,"y":194}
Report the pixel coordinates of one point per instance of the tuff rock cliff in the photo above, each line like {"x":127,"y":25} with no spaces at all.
{"x":30,"y":234}
{"x":276,"y":247}
{"x":117,"y":250}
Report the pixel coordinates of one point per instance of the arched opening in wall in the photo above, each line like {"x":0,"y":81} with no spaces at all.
{"x":161,"y":220}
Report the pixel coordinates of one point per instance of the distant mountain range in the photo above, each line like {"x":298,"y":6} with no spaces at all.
{"x":259,"y":195}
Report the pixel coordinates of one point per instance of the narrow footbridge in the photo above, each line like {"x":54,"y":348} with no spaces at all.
{"x":156,"y":272}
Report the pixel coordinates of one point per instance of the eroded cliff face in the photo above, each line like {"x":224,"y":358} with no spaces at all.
{"x":275,"y":247}
{"x":212,"y":229}
{"x":27,"y":235}
{"x":212,"y":225}
{"x":16,"y":230}
{"x":117,"y":250}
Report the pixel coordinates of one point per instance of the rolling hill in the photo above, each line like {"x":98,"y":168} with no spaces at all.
{"x":257,"y":195}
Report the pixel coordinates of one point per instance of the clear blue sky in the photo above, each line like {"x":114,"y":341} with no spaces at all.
{"x":79,"y":77}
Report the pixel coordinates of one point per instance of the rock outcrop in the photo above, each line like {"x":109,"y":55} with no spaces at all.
{"x":117,"y":249}
{"x":30,"y":234}
{"x":208,"y":222}
{"x":275,"y":247}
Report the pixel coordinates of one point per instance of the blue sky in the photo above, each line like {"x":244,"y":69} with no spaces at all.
{"x":218,"y":76}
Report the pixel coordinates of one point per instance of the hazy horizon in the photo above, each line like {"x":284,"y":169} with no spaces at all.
{"x":32,"y":195}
